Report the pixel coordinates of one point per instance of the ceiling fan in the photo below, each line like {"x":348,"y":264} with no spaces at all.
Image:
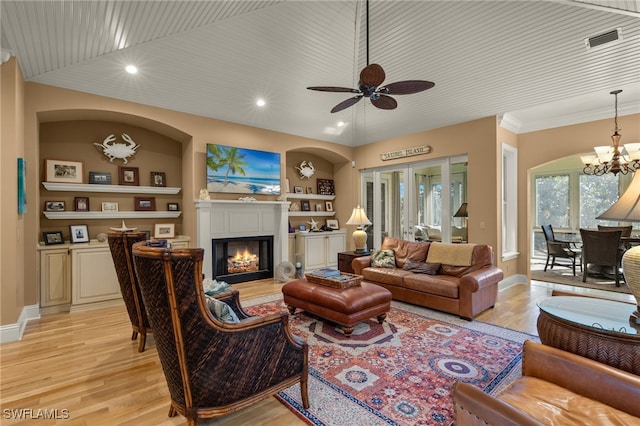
{"x":371,"y":78}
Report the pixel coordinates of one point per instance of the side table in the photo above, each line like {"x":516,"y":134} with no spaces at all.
{"x":344,"y":261}
{"x":593,"y":328}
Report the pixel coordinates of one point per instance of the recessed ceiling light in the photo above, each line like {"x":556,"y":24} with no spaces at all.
{"x":260,"y":102}
{"x":131,"y":69}
{"x":340,"y":123}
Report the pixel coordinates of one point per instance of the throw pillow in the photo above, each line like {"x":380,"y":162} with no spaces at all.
{"x":221,"y":310}
{"x":422,"y":267}
{"x":383,"y":259}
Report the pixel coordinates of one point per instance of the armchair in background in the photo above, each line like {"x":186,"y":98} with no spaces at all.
{"x":213,"y":367}
{"x":557,"y":249}
{"x":601,"y":248}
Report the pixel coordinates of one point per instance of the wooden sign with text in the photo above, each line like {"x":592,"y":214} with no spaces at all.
{"x":407,"y":152}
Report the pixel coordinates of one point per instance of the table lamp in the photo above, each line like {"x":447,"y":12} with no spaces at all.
{"x":462,"y":212}
{"x":627,"y":209}
{"x":359,"y":218}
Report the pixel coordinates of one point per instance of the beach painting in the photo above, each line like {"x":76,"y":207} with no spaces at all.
{"x":242,"y":171}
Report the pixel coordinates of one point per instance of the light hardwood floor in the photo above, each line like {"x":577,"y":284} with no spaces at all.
{"x":84,"y":364}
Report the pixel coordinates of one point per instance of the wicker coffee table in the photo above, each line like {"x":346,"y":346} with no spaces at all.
{"x":594,"y":328}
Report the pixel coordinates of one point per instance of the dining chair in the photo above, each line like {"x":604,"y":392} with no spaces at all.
{"x":213,"y":365}
{"x":601,"y":248}
{"x":557,"y":249}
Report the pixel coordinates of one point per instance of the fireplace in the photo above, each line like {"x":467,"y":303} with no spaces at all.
{"x":241,"y":259}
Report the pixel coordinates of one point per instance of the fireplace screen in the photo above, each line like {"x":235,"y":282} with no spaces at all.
{"x":242,"y":259}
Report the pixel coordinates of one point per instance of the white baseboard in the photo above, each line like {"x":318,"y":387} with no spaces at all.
{"x":13,"y":332}
{"x":511,"y":281}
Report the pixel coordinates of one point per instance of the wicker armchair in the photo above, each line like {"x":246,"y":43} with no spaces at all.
{"x":212,"y":367}
{"x":120,"y":244}
{"x":601,"y":248}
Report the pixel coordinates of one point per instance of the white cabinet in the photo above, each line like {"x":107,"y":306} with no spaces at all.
{"x":320,"y":249}
{"x":93,"y":277}
{"x":55,"y":276}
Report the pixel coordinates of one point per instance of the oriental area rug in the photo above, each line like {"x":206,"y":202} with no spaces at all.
{"x":400,"y":372}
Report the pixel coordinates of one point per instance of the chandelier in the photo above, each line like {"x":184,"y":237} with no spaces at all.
{"x":613,"y":159}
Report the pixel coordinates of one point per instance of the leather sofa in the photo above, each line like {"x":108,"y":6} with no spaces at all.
{"x":556,"y":388}
{"x":465,"y":282}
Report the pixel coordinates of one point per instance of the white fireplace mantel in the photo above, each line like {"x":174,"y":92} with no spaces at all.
{"x":235,"y":218}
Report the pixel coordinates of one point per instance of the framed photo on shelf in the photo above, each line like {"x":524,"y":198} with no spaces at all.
{"x":328,"y":206}
{"x":309,"y":190}
{"x":333,"y":224}
{"x":158,"y":179}
{"x":128,"y":176}
{"x":62,"y":171}
{"x":306,"y":205}
{"x":298,"y":190}
{"x":319,"y":207}
{"x":81,"y":204}
{"x":54,"y":206}
{"x":100,"y":178}
{"x":144,"y":204}
{"x":173,"y":207}
{"x":79,"y":233}
{"x":164,"y":230}
{"x":51,"y":238}
{"x":109,"y":207}
{"x":325,"y":187}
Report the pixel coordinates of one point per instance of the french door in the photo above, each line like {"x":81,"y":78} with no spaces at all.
{"x":407,"y":201}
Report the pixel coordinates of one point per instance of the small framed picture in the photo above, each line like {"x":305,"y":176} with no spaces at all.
{"x":100,"y":178}
{"x":51,"y":238}
{"x":109,"y":207}
{"x":79,"y":233}
{"x":287,"y":184}
{"x":81,"y":204}
{"x":332,"y":223}
{"x":158,"y":179}
{"x":306,"y":205}
{"x":302,"y":228}
{"x":144,"y":204}
{"x":328,"y":206}
{"x":319,"y":207}
{"x":325,"y":187}
{"x":54,"y":206}
{"x":173,"y":207}
{"x":298,"y":190}
{"x":128,"y":176}
{"x":164,"y":230}
{"x":309,"y":190}
{"x":63,"y":171}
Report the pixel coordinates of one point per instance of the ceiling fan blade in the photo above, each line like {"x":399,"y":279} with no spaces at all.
{"x":384,"y":102}
{"x":346,"y":104}
{"x":406,"y":87}
{"x":372,"y":75}
{"x":333,"y":89}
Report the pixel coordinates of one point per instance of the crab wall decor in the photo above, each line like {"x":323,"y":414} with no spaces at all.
{"x":306,"y":169}
{"x":118,"y":150}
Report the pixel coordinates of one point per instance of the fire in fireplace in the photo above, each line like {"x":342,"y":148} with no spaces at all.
{"x":242,"y":259}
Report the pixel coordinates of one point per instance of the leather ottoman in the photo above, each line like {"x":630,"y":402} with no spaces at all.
{"x":345,"y":307}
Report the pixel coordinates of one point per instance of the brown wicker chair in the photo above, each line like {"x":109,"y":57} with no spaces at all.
{"x":120,"y":244}
{"x":601,"y":248}
{"x":557,"y":249}
{"x":213,"y":368}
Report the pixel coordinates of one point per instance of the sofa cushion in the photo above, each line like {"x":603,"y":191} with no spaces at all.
{"x":383,"y":259}
{"x":441,"y":285}
{"x":421,"y":267}
{"x":221,"y":310}
{"x":451,"y":254}
{"x":384,"y":275}
{"x":413,"y":250}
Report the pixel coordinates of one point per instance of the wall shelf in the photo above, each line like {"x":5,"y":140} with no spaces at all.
{"x":308,"y":214}
{"x":309,"y":196}
{"x":113,"y":215}
{"x":123,"y":189}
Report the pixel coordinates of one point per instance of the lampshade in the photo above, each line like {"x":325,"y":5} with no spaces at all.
{"x":358,"y":217}
{"x":627,"y":208}
{"x":462,"y":211}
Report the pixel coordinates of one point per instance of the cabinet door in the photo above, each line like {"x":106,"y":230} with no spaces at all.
{"x":55,"y":277}
{"x":94,"y":276}
{"x":315,"y":252}
{"x":335,"y":244}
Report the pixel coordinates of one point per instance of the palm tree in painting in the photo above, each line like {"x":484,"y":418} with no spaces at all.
{"x":220,"y":156}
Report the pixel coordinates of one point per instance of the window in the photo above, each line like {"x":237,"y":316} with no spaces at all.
{"x":552,"y":200}
{"x":597,"y":194}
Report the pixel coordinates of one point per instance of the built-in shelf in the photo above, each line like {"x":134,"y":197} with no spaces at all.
{"x":310,"y":196}
{"x":308,"y":214}
{"x":113,"y":215}
{"x":123,"y":189}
